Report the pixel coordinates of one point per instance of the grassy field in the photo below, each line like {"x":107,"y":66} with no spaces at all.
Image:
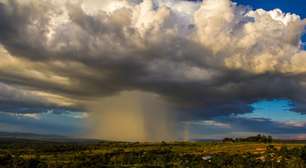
{"x":35,"y":153}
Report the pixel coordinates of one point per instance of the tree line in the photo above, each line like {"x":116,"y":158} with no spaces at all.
{"x":258,"y":138}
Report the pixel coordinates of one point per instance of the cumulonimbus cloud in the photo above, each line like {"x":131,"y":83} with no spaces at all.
{"x":209,"y":58}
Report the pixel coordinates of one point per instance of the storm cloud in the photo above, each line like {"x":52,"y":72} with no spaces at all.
{"x":207,"y":58}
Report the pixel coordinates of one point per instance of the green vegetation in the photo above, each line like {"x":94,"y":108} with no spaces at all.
{"x":258,"y":138}
{"x":43,"y":154}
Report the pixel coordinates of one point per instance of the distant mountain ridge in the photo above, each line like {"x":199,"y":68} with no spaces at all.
{"x":22,"y":135}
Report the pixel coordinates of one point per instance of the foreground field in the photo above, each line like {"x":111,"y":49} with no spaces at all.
{"x":34,"y":153}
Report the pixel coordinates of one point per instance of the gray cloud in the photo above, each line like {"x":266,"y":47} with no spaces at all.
{"x":20,"y":100}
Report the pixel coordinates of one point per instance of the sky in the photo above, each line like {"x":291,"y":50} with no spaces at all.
{"x":153,"y":70}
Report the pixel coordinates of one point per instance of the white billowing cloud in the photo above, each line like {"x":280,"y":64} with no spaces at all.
{"x":277,"y":14}
{"x":257,"y":41}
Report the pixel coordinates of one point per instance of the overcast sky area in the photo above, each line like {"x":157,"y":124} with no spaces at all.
{"x":153,"y":69}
